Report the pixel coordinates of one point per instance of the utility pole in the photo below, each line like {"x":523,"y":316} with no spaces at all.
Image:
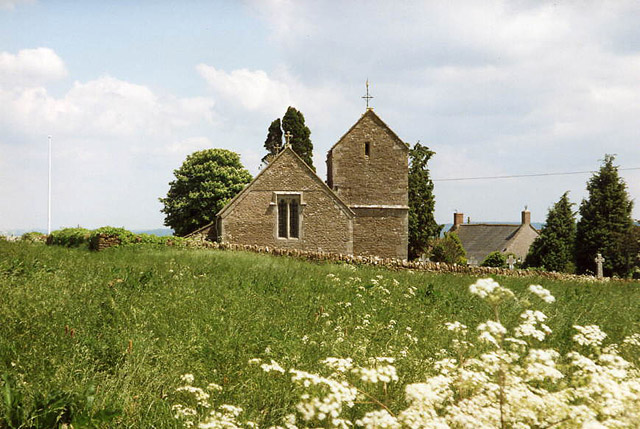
{"x":49,"y":201}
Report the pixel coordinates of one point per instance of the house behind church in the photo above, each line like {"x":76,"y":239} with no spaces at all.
{"x":362,"y":208}
{"x":480,"y":239}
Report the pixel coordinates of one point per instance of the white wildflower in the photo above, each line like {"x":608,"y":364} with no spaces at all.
{"x":338,"y":364}
{"x":379,"y":419}
{"x":542,"y":293}
{"x":589,"y":335}
{"x":273,"y":366}
{"x":456,"y":327}
{"x":483,"y":287}
{"x":187,"y":378}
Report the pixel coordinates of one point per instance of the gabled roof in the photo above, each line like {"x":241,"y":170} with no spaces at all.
{"x":369,"y":113}
{"x":479,"y":240}
{"x":273,"y":164}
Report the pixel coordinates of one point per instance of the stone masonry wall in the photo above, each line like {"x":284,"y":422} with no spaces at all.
{"x":381,"y":232}
{"x":253,"y":218}
{"x":379,"y":179}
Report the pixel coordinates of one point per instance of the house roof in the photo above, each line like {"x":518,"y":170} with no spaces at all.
{"x":479,"y":240}
{"x":271,"y":165}
{"x":369,"y":113}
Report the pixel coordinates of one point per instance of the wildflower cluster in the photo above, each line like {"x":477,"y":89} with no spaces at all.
{"x":494,"y":376}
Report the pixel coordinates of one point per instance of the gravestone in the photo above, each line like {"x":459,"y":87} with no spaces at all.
{"x":511,"y":261}
{"x":599,"y":260}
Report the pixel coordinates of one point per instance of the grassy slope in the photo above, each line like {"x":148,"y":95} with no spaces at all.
{"x":209,"y":312}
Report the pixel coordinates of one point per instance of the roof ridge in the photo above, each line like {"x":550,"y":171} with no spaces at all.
{"x":314,"y":175}
{"x":376,"y":117}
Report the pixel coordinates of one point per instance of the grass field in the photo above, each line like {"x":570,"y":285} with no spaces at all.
{"x":103,"y":338}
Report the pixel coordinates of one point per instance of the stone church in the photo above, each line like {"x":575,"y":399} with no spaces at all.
{"x":361,"y":209}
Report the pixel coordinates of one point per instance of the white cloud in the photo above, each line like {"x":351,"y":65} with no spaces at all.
{"x":11,"y":4}
{"x":253,"y":90}
{"x":30,"y":67}
{"x":105,"y":107}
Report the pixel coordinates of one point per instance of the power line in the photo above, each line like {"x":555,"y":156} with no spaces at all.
{"x":515,"y":176}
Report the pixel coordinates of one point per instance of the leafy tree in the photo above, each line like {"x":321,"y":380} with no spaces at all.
{"x":293,"y":122}
{"x":204,"y":183}
{"x":274,"y":140}
{"x":553,"y":250}
{"x":495,"y":259}
{"x":422,"y":223}
{"x":605,"y":223}
{"x":448,"y":249}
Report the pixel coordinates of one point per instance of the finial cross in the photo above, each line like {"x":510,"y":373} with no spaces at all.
{"x":367,"y":97}
{"x":288,"y":136}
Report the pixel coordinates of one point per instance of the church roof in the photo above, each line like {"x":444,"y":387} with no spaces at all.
{"x":369,"y":113}
{"x":273,"y":164}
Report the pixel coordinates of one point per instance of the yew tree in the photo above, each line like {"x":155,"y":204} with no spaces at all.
{"x":293,"y":123}
{"x":273,"y":143}
{"x":605,"y":223}
{"x":204,"y":183}
{"x":422,"y":223}
{"x":554,"y":248}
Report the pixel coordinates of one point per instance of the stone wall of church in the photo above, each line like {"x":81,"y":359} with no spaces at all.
{"x":252,"y":219}
{"x":379,"y":178}
{"x":381,"y":232}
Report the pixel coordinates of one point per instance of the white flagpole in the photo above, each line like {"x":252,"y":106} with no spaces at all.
{"x":49,"y":201}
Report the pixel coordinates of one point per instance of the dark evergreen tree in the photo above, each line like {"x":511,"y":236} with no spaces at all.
{"x":422,"y":223}
{"x":273,"y":143}
{"x":293,"y":122}
{"x":205,"y":182}
{"x":605,"y":223}
{"x":553,"y":250}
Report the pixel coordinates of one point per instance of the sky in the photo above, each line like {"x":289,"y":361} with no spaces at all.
{"x":127,"y":90}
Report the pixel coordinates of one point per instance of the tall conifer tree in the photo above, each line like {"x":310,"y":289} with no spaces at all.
{"x":293,"y":122}
{"x":605,"y":223}
{"x":274,"y":141}
{"x":422,"y":223}
{"x":554,"y":248}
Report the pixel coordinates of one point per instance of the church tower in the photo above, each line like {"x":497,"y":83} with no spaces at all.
{"x":368,"y":169}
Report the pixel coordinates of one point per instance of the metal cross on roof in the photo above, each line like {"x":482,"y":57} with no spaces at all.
{"x":288,"y":136}
{"x":367,"y":96}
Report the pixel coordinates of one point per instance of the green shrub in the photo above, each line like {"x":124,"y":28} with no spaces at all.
{"x":69,"y":237}
{"x":34,"y":237}
{"x":448,"y":249}
{"x":495,"y":259}
{"x":123,"y":235}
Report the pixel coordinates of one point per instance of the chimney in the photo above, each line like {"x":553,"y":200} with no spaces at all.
{"x":526,"y":217}
{"x":458,"y":219}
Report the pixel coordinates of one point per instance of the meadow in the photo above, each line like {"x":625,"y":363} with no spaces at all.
{"x":103,"y":339}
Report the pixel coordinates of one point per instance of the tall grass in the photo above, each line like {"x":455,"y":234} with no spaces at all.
{"x":107,"y":335}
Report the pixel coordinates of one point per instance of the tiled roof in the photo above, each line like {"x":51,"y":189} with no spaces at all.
{"x":479,"y":240}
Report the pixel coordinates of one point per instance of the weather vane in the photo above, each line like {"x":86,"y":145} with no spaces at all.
{"x":367,"y":97}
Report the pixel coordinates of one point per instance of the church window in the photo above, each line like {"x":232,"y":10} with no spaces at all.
{"x":294,"y":219}
{"x":367,"y":149}
{"x":282,"y":218}
{"x":289,"y":216}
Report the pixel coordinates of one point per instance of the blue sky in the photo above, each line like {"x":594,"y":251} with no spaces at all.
{"x":129,"y":89}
